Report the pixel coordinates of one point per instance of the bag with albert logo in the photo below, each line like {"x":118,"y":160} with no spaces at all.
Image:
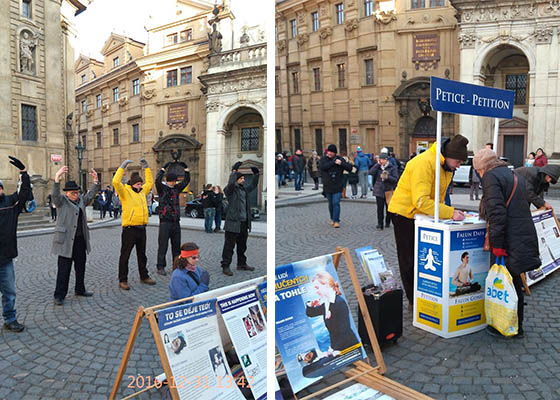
{"x":500,"y":300}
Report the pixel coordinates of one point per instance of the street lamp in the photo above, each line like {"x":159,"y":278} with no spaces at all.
{"x":80,"y":150}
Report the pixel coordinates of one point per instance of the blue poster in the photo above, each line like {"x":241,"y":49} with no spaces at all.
{"x":430,"y":261}
{"x":315,"y":333}
{"x":468,"y":263}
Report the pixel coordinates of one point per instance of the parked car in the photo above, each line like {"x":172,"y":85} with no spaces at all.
{"x":461,"y":176}
{"x":194,"y":208}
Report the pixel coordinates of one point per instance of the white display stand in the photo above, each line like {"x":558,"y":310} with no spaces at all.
{"x":438,"y":249}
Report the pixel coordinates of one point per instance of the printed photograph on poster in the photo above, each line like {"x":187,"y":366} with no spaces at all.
{"x":468,"y":264}
{"x":315,"y":332}
{"x":430,"y":261}
{"x":194,"y":350}
{"x":243,"y":317}
{"x":548,"y":234}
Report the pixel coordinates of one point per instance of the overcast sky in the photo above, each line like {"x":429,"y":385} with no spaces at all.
{"x":129,"y":17}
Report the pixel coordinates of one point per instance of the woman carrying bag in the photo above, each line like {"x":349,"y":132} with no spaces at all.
{"x":511,"y":231}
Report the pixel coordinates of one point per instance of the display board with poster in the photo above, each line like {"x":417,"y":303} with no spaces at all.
{"x":245,"y":322}
{"x":548,"y":233}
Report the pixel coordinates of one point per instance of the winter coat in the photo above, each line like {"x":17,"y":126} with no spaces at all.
{"x":474,"y":177}
{"x":511,"y":229}
{"x":183,"y":285}
{"x":67,"y":220}
{"x":116,"y":202}
{"x":169,"y":209}
{"x":219,"y":201}
{"x":298,"y":163}
{"x":331,"y":173}
{"x":540,"y":161}
{"x":313,"y":166}
{"x":415,"y":193}
{"x":381,"y":186}
{"x":535,"y":184}
{"x":11,"y":205}
{"x":353,"y":177}
{"x":233,"y":192}
{"x":208,"y":199}
{"x":362,"y":161}
{"x":101,"y":201}
{"x":134,"y":206}
{"x":281,"y":167}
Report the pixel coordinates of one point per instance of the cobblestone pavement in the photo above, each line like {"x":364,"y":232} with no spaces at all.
{"x":475,"y":366}
{"x":74,"y":351}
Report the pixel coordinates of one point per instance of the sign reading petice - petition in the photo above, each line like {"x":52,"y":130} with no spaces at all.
{"x":464,"y":98}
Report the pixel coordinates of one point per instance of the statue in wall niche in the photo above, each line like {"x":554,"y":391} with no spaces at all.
{"x":176,"y":154}
{"x":69,"y":119}
{"x":215,"y":40}
{"x":425,"y":106}
{"x":27,"y":45}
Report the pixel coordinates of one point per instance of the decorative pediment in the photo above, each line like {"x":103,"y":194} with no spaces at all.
{"x":114,"y":41}
{"x":176,"y":141}
{"x":514,"y":123}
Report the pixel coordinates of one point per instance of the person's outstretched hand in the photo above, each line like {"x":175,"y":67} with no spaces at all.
{"x":458,"y":215}
{"x":59,"y":173}
{"x":125,"y":163}
{"x":255,"y":170}
{"x":205,"y":277}
{"x":144,"y":163}
{"x":236,"y":166}
{"x":16,"y":163}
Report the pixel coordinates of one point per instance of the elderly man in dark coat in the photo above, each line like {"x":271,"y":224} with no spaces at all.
{"x":71,"y":234}
{"x":238,"y":218}
{"x":537,"y":181}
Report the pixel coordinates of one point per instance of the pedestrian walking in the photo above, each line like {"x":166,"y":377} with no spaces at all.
{"x":474,"y":181}
{"x":540,"y":160}
{"x":11,"y":205}
{"x":238,"y":218}
{"x":71,"y":242}
{"x":345,"y":174}
{"x":281,"y":169}
{"x":384,"y":178}
{"x":353,"y":180}
{"x":298,"y":163}
{"x":219,"y":204}
{"x":288,"y":157}
{"x":116,"y":205}
{"x":169,"y":213}
{"x":110,"y":195}
{"x":52,"y":207}
{"x":363,"y":164}
{"x":188,"y":279}
{"x":313,"y":168}
{"x":537,"y":182}
{"x":332,"y":167}
{"x":134,"y":220}
{"x":415,"y":194}
{"x":511,"y":230}
{"x":209,"y":207}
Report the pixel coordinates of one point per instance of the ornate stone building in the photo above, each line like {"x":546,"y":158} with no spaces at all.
{"x":513,"y":45}
{"x":37,"y":85}
{"x":356,"y":73}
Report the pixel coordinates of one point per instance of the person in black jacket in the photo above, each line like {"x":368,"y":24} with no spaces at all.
{"x":219,"y":204}
{"x":238,"y":218}
{"x":537,"y":181}
{"x":384,"y":179}
{"x":280,"y":169}
{"x":169,"y":213}
{"x":511,"y":230}
{"x":10,"y":208}
{"x":332,"y":167}
{"x":298,"y":164}
{"x":209,"y":207}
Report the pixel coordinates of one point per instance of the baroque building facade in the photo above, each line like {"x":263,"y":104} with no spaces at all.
{"x":37,"y":84}
{"x":357,"y":73}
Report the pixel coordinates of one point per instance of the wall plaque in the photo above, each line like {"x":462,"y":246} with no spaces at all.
{"x":177,"y":115}
{"x":425,"y":51}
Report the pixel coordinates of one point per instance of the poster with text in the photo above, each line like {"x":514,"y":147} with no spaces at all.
{"x":245,"y":322}
{"x":548,"y":234}
{"x":430,"y":261}
{"x":194,"y":350}
{"x":315,"y":332}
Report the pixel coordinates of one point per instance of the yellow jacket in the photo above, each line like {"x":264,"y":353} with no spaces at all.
{"x":134,"y":206}
{"x":415,"y":193}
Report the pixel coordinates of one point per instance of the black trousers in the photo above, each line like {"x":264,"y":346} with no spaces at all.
{"x":232,"y":239}
{"x":404,"y":238}
{"x":65,"y":267}
{"x":133,"y":236}
{"x":381,"y":207}
{"x":168,"y":230}
{"x":53,"y":213}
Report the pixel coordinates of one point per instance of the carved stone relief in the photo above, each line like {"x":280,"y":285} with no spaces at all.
{"x":325,"y":32}
{"x":543,"y":34}
{"x":28,"y":41}
{"x":351,"y":25}
{"x":467,"y":40}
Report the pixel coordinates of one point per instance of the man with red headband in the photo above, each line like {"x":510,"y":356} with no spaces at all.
{"x":188,"y":279}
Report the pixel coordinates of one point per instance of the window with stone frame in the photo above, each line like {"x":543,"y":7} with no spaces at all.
{"x":277,"y":85}
{"x":341,"y":75}
{"x":518,"y":83}
{"x":186,"y":75}
{"x":115,"y":94}
{"x":315,"y":21}
{"x":98,"y":140}
{"x":186,"y":35}
{"x":115,"y":135}
{"x":293,"y":28}
{"x":26,"y":9}
{"x":84,"y":106}
{"x":368,"y":8}
{"x":84,"y":141}
{"x":116,"y":62}
{"x":297,"y":138}
{"x":250,"y":139}
{"x":316,"y":79}
{"x":28,"y":122}
{"x":136,"y":87}
{"x":83,"y":78}
{"x":98,"y":101}
{"x":368,"y":71}
{"x":172,"y":78}
{"x":278,"y":140}
{"x":172,"y":39}
{"x":342,"y":140}
{"x":339,"y":12}
{"x":295,"y":81}
{"x":135,"y":133}
{"x":319,"y":140}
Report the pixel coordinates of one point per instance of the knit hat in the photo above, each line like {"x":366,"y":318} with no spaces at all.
{"x":359,"y":149}
{"x":384,"y":156}
{"x":456,"y":148}
{"x":70,"y":186}
{"x":332,"y":147}
{"x":486,"y":159}
{"x":171,"y":176}
{"x":553,"y":171}
{"x":238,"y":175}
{"x":384,"y":150}
{"x":135,"y":178}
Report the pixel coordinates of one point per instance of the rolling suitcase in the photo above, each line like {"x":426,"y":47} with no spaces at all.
{"x":386,"y":313}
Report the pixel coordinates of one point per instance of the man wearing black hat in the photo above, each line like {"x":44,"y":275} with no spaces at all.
{"x":134,"y":220}
{"x":238,"y":218}
{"x":10,"y":208}
{"x":332,"y":167}
{"x":71,"y":234}
{"x":415,"y":195}
{"x":169,"y":213}
{"x":537,"y":181}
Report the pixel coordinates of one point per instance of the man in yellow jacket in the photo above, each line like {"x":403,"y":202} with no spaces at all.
{"x":415,"y":194}
{"x":134,"y":220}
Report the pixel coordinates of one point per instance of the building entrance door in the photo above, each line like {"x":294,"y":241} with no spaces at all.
{"x":513,"y":149}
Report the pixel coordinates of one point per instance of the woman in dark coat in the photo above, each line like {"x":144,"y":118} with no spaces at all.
{"x":511,"y":229}
{"x":540,"y":160}
{"x":384,"y":179}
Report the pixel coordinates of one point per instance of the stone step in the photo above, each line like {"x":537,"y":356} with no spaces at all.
{"x":31,"y":226}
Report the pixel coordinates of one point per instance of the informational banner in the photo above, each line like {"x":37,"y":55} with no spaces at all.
{"x":359,"y":392}
{"x":315,"y":332}
{"x":430,"y":261}
{"x":245,"y":322}
{"x":548,"y":233}
{"x":464,"y":98}
{"x":195,"y":354}
{"x":262,"y":294}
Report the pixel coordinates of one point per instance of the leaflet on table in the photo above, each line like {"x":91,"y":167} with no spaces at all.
{"x":315,"y":333}
{"x":262,"y":294}
{"x":471,"y":217}
{"x":375,"y":264}
{"x":194,"y":350}
{"x":549,"y":245}
{"x":246,"y":325}
{"x":359,"y":251}
{"x":359,"y":392}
